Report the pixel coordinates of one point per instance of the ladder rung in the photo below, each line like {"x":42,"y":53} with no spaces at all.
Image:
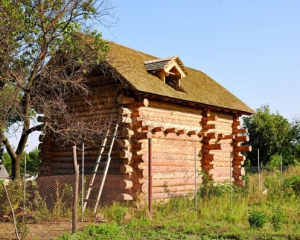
{"x":95,"y":187}
{"x":105,"y":145}
{"x":104,"y":154}
{"x":90,"y":200}
{"x":98,"y":172}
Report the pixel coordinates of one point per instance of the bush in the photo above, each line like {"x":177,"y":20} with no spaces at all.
{"x":277,"y":218}
{"x":257,"y":219}
{"x":211,"y":189}
{"x":292,"y":184}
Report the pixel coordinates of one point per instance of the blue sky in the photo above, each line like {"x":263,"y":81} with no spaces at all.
{"x":250,"y":47}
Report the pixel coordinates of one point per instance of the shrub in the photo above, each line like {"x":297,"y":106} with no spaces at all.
{"x":277,"y":218}
{"x":257,"y":219}
{"x":292,"y":184}
{"x":211,"y":189}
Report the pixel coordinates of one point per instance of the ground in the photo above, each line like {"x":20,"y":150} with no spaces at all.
{"x":41,"y":231}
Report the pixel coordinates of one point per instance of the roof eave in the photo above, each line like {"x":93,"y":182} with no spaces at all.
{"x":148,"y":95}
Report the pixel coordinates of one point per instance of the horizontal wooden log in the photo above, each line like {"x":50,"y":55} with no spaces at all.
{"x":176,"y":182}
{"x":237,"y":164}
{"x":126,"y":169}
{"x":208,"y":158}
{"x":241,"y":130}
{"x":174,"y":189}
{"x":210,"y":118}
{"x":126,"y":184}
{"x":211,"y":135}
{"x":87,"y":153}
{"x":169,"y":175}
{"x":207,"y":166}
{"x":142,"y":135}
{"x":125,"y":154}
{"x":229,"y":136}
{"x":124,"y":197}
{"x":126,"y":119}
{"x":170,"y":169}
{"x":138,"y":180}
{"x":239,"y":171}
{"x":125,"y":111}
{"x":157,"y":161}
{"x":243,"y":149}
{"x":175,"y":108}
{"x":122,"y":99}
{"x":193,"y":131}
{"x":221,"y":136}
{"x":164,"y":195}
{"x":139,"y":165}
{"x":112,"y":180}
{"x":209,"y":126}
{"x":143,"y":103}
{"x":141,"y":158}
{"x":174,"y":155}
{"x":214,"y":146}
{"x":242,"y":138}
{"x":140,"y":145}
{"x":158,"y":129}
{"x":171,"y":130}
{"x":219,"y":179}
{"x":143,"y":187}
{"x":181,"y":131}
{"x":127,"y":161}
{"x":88,"y":166}
{"x":143,"y":173}
{"x":124,"y":143}
{"x":239,"y":158}
{"x":236,"y":123}
{"x":162,"y":122}
{"x":127,"y":132}
{"x":145,"y":129}
{"x":240,"y":183}
{"x":103,"y":99}
{"x":88,"y":159}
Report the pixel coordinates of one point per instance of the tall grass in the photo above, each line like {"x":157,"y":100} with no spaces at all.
{"x":265,"y":208}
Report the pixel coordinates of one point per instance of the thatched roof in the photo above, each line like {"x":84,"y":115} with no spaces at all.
{"x":198,"y":87}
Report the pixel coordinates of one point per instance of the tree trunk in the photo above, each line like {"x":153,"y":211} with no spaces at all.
{"x":16,"y":167}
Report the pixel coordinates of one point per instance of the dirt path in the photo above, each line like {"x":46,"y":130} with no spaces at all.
{"x":41,"y":231}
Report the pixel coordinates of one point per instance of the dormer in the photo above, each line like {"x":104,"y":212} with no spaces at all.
{"x":170,"y":70}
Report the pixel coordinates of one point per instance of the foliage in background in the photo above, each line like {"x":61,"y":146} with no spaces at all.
{"x":32,"y":162}
{"x":274,"y":136}
{"x":47,"y":50}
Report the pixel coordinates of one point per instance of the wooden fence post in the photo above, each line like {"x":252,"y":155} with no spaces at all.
{"x":75,"y":192}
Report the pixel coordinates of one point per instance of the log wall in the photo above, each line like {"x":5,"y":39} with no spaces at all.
{"x":57,"y":160}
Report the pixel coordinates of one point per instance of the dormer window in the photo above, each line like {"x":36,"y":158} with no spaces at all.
{"x":170,"y":70}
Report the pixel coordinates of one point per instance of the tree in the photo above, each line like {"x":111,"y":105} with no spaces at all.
{"x":47,"y":49}
{"x":32,"y":162}
{"x":271,"y":134}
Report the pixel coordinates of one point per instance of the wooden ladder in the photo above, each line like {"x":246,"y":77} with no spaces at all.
{"x":104,"y":146}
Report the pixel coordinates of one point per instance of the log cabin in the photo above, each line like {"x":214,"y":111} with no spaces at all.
{"x":172,"y":120}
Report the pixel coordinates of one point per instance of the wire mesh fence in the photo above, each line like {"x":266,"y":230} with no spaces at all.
{"x":50,"y":198}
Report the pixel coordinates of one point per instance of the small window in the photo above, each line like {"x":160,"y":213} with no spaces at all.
{"x":170,"y":70}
